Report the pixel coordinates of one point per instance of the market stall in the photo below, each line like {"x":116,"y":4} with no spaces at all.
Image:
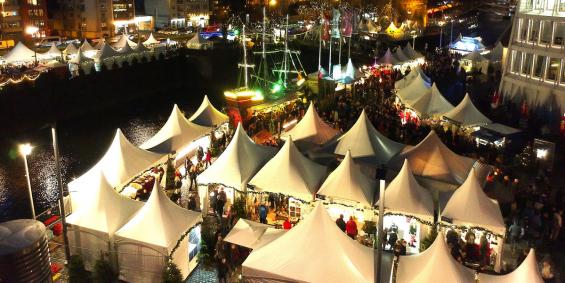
{"x":199,"y":42}
{"x":121,"y":162}
{"x":388,"y":59}
{"x":150,"y":41}
{"x":527,"y":272}
{"x":91,"y":228}
{"x":475,"y":61}
{"x":233,"y":169}
{"x":105,"y":56}
{"x":466,"y":114}
{"x":293,"y":175}
{"x":70,"y":50}
{"x":315,"y":245}
{"x":434,"y":265}
{"x":176,"y":134}
{"x":20,"y":54}
{"x":465,"y":45}
{"x":80,"y":62}
{"x":417,"y":87}
{"x":123,"y":41}
{"x":252,"y":235}
{"x":409,"y":209}
{"x":471,"y":211}
{"x":415,"y":73}
{"x":207,"y":115}
{"x":413,"y":54}
{"x":143,"y":254}
{"x":311,"y":130}
{"x":434,"y":164}
{"x":366,"y":144}
{"x":52,"y":54}
{"x":87,"y":49}
{"x":349,"y":192}
{"x":430,"y":104}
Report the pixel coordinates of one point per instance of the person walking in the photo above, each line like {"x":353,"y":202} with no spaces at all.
{"x":220,"y":203}
{"x":263,"y":213}
{"x":351,"y":228}
{"x":208,"y":158}
{"x":223,"y":271}
{"x":340,"y":223}
{"x":187,"y":166}
{"x":557,"y":223}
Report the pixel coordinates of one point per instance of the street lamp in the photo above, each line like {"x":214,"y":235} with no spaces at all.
{"x":441,"y":24}
{"x":25,"y":150}
{"x":32,"y":30}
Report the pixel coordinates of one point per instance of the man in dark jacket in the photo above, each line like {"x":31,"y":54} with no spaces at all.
{"x":340,"y":223}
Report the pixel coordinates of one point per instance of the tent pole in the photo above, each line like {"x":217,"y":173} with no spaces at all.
{"x":244,"y":57}
{"x":320,"y":49}
{"x":380,"y":231}
{"x":330,"y":59}
{"x":349,"y":49}
{"x":339,"y":56}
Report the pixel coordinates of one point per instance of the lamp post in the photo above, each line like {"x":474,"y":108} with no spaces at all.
{"x":32,"y":30}
{"x":60,"y":186}
{"x":441,"y":24}
{"x":25,"y":150}
{"x":451,"y":32}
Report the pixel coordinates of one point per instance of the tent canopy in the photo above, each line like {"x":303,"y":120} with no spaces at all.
{"x":496,"y":53}
{"x":429,"y":103}
{"x":364,"y":141}
{"x":413,"y":54}
{"x":315,"y":245}
{"x":151,"y":40}
{"x":290,"y":173}
{"x":20,"y":54}
{"x":250,"y":234}
{"x":106,"y":52}
{"x":106,"y":211}
{"x":126,"y":50}
{"x":387,"y":59}
{"x":120,"y":163}
{"x":86,"y":46}
{"x":197,"y":42}
{"x":434,"y":265}
{"x":400,"y":56}
{"x":432,"y":159}
{"x":238,"y":163}
{"x":416,"y":89}
{"x":311,"y":129}
{"x":350,"y":71}
{"x":474,"y":56}
{"x":161,"y":214}
{"x":527,"y":272}
{"x":79,"y":58}
{"x":414,"y":74}
{"x":347,"y":182}
{"x":70,"y":49}
{"x":52,"y":53}
{"x":123,"y":41}
{"x":469,"y":205}
{"x":175,"y":134}
{"x":405,"y":195}
{"x":467,"y":114}
{"x":207,"y":115}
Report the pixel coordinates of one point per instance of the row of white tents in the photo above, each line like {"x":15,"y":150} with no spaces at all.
{"x":416,"y":92}
{"x":401,"y":56}
{"x":138,"y":238}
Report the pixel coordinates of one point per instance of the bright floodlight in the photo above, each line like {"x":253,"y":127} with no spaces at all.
{"x":31,"y":30}
{"x":25,"y":149}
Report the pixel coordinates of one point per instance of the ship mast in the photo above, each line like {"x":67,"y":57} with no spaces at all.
{"x":244,"y":57}
{"x":286,"y":52}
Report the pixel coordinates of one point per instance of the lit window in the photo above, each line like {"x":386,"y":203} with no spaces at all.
{"x":547,"y":29}
{"x":553,"y":69}
{"x":517,"y":62}
{"x":527,"y":65}
{"x":539,"y":67}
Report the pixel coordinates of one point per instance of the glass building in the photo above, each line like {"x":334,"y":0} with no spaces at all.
{"x":535,"y":69}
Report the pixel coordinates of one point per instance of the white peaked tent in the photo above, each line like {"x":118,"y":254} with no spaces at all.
{"x":433,"y":160}
{"x":527,"y":272}
{"x":121,"y":162}
{"x":92,"y":227}
{"x":20,"y":54}
{"x":410,"y":52}
{"x":198,"y":42}
{"x":290,"y":173}
{"x":52,"y":53}
{"x":151,"y":235}
{"x":371,"y":27}
{"x":141,"y":48}
{"x":466,"y":114}
{"x":70,"y":49}
{"x":405,"y":195}
{"x":414,"y":74}
{"x":497,"y":53}
{"x":177,"y":133}
{"x":311,"y":129}
{"x":350,"y":71}
{"x":430,"y":103}
{"x":400,"y":56}
{"x":106,"y":52}
{"x":100,"y":43}
{"x":238,"y":163}
{"x":387,"y":59}
{"x":418,"y":87}
{"x":434,"y":265}
{"x":151,"y":40}
{"x":126,"y":50}
{"x":315,"y":250}
{"x":250,"y":234}
{"x":86,"y":46}
{"x":207,"y":115}
{"x":123,"y":41}
{"x":79,"y":58}
{"x":364,"y":141}
{"x":469,"y":205}
{"x":475,"y":56}
{"x":347,"y":182}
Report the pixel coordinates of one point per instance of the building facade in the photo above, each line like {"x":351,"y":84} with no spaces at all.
{"x":535,"y":69}
{"x":24,"y":19}
{"x":178,"y":13}
{"x":94,"y":18}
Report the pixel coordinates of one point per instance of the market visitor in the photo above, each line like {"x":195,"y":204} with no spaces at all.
{"x":351,"y":228}
{"x":471,"y":250}
{"x":340,"y":223}
{"x":263,"y":213}
{"x":547,"y":273}
{"x":208,"y":158}
{"x":286,"y":224}
{"x":220,"y":203}
{"x":187,"y":166}
{"x":193,"y":173}
{"x":392,"y":238}
{"x":223,"y":271}
{"x":557,"y":224}
{"x":191,"y":202}
{"x":220,"y":248}
{"x":484,"y":252}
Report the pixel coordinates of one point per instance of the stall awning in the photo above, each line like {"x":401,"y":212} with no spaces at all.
{"x":252,"y":235}
{"x":311,"y":129}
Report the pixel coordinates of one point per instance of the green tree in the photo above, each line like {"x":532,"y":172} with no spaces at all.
{"x":103,"y":272}
{"x":172,"y":274}
{"x":77,"y":273}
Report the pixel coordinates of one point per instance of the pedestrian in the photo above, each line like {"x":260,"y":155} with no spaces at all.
{"x":208,"y":158}
{"x":287,"y":225}
{"x":392,"y":239}
{"x":340,"y":223}
{"x":193,"y":174}
{"x":557,"y":223}
{"x":187,"y":166}
{"x":263,"y":213}
{"x":223,"y":271}
{"x":220,"y":203}
{"x":351,"y":228}
{"x":547,"y":273}
{"x":191,"y":202}
{"x":484,"y":252}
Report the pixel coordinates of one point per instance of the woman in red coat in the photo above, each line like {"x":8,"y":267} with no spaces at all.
{"x":351,"y":228}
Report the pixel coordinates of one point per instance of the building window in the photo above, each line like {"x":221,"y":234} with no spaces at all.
{"x":517,"y":62}
{"x":559,"y":34}
{"x":562,"y":6}
{"x":32,"y":2}
{"x":553,"y":69}
{"x":539,"y":66}
{"x":527,"y":65}
{"x":547,"y":30}
{"x":534,"y":31}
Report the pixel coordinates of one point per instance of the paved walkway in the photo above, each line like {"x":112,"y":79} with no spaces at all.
{"x":201,"y":275}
